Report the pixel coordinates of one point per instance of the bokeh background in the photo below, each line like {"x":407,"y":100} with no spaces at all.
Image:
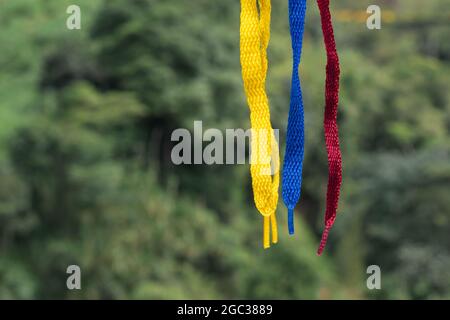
{"x":86,"y":177}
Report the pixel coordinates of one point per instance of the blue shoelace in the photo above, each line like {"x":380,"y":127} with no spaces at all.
{"x":293,"y":159}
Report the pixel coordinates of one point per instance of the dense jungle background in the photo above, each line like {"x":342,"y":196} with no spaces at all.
{"x":86,"y":177}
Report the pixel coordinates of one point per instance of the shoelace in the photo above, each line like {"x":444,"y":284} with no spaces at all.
{"x":330,"y":121}
{"x":254,"y":40}
{"x":293,"y":158}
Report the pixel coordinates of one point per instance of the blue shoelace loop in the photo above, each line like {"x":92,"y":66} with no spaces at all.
{"x":293,"y":159}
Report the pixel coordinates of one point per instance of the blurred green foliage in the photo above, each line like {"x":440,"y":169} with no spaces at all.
{"x":86,"y":176}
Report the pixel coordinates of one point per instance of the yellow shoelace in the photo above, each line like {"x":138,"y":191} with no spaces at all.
{"x":254,"y":40}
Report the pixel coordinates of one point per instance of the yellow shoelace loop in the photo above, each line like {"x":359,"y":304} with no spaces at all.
{"x":254,"y":40}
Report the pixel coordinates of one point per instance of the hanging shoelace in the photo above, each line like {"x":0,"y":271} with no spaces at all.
{"x":293,"y":158}
{"x":254,"y":40}
{"x":330,"y":121}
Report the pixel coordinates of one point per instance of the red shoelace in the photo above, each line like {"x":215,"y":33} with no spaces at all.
{"x":330,"y":121}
